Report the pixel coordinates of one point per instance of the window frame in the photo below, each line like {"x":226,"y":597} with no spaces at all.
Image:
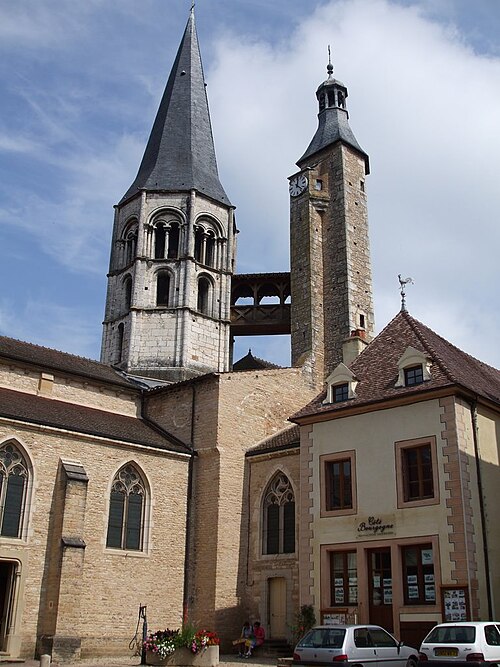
{"x":325,"y":460}
{"x":414,"y":375}
{"x":284,"y":502}
{"x":420,"y":583}
{"x":400,"y":448}
{"x":346,"y":572}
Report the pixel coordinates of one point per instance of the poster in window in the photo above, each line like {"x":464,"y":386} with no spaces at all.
{"x":339,"y":581}
{"x":429,"y":578}
{"x":339,"y":596}
{"x":454,"y":603}
{"x":430,"y":593}
{"x":387,"y":595}
{"x":353,"y":594}
{"x":387,"y":582}
{"x":376,"y":581}
{"x":412,"y":579}
{"x":353,"y":581}
{"x":413,"y":592}
{"x":427,"y":558}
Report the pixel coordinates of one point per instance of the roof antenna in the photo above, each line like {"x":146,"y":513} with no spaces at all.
{"x":329,"y":67}
{"x":403,"y":282}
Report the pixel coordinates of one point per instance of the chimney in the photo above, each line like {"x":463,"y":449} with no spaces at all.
{"x":353,"y":345}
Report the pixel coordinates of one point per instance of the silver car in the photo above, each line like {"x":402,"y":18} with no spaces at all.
{"x":462,"y":643}
{"x":353,"y":645}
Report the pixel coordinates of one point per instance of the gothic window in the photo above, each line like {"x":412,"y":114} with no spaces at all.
{"x":13,"y":488}
{"x":162,"y":288}
{"x":160,"y":238}
{"x":204,"y":294}
{"x":126,"y":510}
{"x":279,"y":516}
{"x":127,"y":286}
{"x":119,"y":346}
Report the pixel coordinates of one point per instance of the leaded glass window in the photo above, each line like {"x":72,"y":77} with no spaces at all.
{"x":13,"y":486}
{"x":279,"y":516}
{"x":126,"y":510}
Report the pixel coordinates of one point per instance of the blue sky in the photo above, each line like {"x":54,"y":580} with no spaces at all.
{"x":80,"y":83}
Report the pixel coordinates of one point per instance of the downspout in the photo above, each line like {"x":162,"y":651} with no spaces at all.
{"x":475,"y":437}
{"x":190,"y":505}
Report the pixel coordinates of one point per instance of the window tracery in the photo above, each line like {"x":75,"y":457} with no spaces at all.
{"x":126,"y":510}
{"x":279,"y":516}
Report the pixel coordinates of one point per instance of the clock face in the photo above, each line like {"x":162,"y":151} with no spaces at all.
{"x":297,"y":185}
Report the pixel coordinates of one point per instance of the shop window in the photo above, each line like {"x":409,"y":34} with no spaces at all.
{"x":416,"y":471}
{"x":126,"y":510}
{"x":343,"y":578}
{"x":418,"y":575}
{"x":13,"y":488}
{"x":279,"y":516}
{"x":338,"y":484}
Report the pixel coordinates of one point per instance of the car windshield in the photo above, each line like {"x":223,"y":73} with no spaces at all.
{"x":451,"y":634}
{"x":323,"y":638}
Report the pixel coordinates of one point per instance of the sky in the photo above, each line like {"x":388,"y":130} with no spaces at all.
{"x":80,"y":83}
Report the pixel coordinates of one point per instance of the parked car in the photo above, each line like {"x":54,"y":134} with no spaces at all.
{"x":462,"y":643}
{"x":353,"y":645}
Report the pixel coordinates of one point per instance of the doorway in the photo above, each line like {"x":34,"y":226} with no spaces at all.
{"x":380,"y":587}
{"x":277,"y":607}
{"x":7,"y":573}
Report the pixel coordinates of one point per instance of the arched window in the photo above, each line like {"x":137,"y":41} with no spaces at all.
{"x":160,"y":239}
{"x":119,"y":345}
{"x":278,"y":516}
{"x":14,"y":483}
{"x":210,"y":248}
{"x":173,"y":241}
{"x":199,"y":245}
{"x":126,"y":510}
{"x":162,"y":288}
{"x":130,"y":244}
{"x":127,"y":286}
{"x":204,"y":293}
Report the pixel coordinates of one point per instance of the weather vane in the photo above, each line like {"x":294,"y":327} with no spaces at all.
{"x":403,"y":282}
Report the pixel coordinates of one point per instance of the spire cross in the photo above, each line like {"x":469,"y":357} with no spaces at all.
{"x":403,"y":282}
{"x":329,"y":67}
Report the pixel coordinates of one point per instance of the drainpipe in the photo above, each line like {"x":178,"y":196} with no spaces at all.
{"x":475,"y":435}
{"x":190,"y":505}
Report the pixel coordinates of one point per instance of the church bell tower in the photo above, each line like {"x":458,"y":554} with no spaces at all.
{"x":331,"y":284}
{"x":173,"y":246}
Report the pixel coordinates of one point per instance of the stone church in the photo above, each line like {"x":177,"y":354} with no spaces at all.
{"x":168,"y":476}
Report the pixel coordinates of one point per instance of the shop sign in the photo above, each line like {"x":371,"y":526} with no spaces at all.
{"x":375,"y":526}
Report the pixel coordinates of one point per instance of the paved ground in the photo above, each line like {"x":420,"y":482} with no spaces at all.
{"x":135,"y":661}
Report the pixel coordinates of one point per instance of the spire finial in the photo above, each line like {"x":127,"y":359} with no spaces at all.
{"x":192,"y":6}
{"x":403,"y":282}
{"x":329,"y":67}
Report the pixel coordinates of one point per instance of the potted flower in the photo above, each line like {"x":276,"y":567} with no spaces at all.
{"x":186,"y":646}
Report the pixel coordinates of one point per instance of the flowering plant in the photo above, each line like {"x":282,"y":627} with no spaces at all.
{"x":164,"y":642}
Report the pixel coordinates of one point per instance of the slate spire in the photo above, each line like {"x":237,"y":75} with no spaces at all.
{"x":180,"y":154}
{"x":333,"y":119}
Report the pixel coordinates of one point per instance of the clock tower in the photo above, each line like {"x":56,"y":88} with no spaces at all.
{"x":331,"y":284}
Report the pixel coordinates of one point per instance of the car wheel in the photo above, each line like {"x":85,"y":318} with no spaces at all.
{"x":411,"y":662}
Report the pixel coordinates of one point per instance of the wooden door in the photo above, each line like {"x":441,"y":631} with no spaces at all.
{"x":277,"y":607}
{"x":380,"y":586}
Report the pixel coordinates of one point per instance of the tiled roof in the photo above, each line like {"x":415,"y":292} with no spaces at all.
{"x":376,"y":369}
{"x":80,"y":419}
{"x":251,"y":363}
{"x":53,"y":360}
{"x":285,"y":439}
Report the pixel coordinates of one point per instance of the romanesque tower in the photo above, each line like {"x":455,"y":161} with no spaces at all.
{"x":173,"y":246}
{"x":331,"y":284}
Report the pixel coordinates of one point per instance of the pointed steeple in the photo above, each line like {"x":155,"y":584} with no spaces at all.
{"x":333,"y":119}
{"x":180,"y":154}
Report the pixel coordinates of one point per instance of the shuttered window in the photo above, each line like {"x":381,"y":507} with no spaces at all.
{"x":126,"y":510}
{"x":279,"y":516}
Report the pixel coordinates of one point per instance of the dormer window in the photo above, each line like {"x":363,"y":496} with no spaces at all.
{"x":414,"y":368}
{"x":414,"y":375}
{"x":340,"y":392}
{"x":340,"y":385}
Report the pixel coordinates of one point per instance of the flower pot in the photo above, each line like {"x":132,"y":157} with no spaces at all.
{"x":183,"y":657}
